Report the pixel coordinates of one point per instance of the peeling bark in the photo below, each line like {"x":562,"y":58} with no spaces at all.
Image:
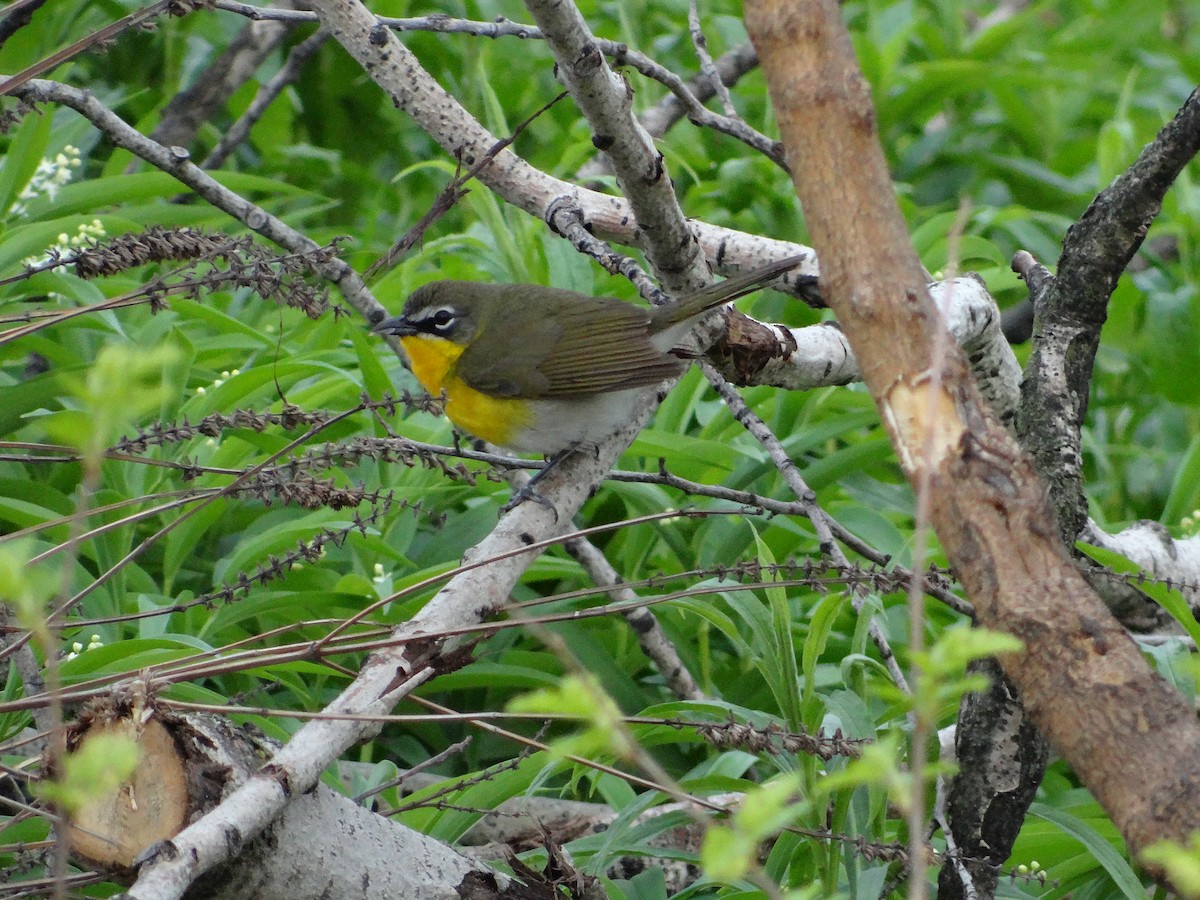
{"x":1002,"y":758}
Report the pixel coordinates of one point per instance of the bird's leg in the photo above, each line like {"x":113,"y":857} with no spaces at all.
{"x":527,"y":491}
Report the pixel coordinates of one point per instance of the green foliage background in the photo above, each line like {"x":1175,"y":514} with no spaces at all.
{"x":1024,"y":120}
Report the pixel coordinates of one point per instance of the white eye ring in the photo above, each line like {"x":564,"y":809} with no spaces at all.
{"x":441,"y":319}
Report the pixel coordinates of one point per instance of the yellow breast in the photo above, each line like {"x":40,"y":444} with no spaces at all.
{"x":497,"y":420}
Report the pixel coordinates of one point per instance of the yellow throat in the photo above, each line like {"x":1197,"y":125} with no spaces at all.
{"x":495,"y":419}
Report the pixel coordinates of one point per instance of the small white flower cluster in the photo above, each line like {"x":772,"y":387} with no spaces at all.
{"x":1031,"y":872}
{"x":217,"y":382}
{"x":77,"y":648}
{"x":1191,"y":523}
{"x":49,"y":177}
{"x":383,"y":582}
{"x":84,"y":235}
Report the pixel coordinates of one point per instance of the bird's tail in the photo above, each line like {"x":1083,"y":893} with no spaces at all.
{"x":692,"y":305}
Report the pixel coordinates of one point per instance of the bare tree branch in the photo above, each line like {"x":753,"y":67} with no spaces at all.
{"x":200,"y":103}
{"x":177,"y":162}
{"x":267,"y":94}
{"x":1071,"y":308}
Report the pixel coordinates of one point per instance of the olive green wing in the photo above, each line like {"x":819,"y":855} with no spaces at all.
{"x":605,"y":345}
{"x":557,"y":343}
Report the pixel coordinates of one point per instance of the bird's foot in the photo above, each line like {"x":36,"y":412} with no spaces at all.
{"x":528,"y":490}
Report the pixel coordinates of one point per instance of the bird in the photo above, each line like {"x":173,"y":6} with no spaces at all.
{"x":545,"y":370}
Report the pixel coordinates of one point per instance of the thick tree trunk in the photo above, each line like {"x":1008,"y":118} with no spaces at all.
{"x":1131,"y":738}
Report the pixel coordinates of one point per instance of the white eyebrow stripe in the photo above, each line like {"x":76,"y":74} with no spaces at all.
{"x":431,"y":311}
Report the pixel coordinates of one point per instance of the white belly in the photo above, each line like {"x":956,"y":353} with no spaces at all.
{"x":559,"y":424}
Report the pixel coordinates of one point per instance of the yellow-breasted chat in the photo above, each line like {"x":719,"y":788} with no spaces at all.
{"x":543,"y":370}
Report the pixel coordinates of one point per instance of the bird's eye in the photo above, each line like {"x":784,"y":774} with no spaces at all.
{"x":442,"y":319}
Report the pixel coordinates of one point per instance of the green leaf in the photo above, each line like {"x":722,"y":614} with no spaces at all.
{"x":728,"y":852}
{"x":1169,"y":599}
{"x":785,"y":673}
{"x":479,"y":794}
{"x":92,"y":772}
{"x":1101,"y":850}
{"x":25,"y":150}
{"x":1181,"y":863}
{"x":819,"y":627}
{"x":840,"y":464}
{"x":92,"y":195}
{"x":1184,"y":496}
{"x":1114,"y":149}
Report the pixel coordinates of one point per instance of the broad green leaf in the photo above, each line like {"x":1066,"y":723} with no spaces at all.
{"x":1170,"y":600}
{"x":1101,"y":850}
{"x":1184,"y":497}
